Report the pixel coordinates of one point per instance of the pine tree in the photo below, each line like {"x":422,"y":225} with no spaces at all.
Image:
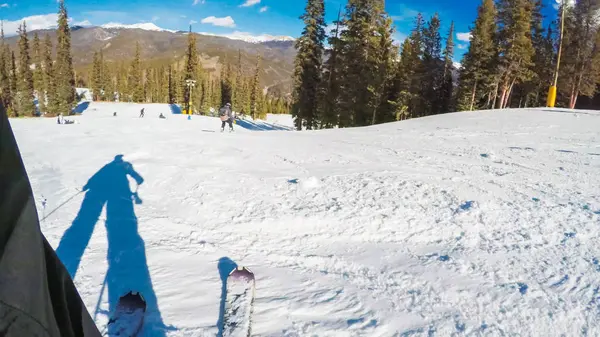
{"x":180,"y":84}
{"x":255,"y":92}
{"x":398,"y":97}
{"x":577,"y":64}
{"x":226,"y":84}
{"x":308,"y":63}
{"x":383,"y":64}
{"x":534,"y":91}
{"x":25,"y":104}
{"x":171,"y":86}
{"x":64,"y":77}
{"x":361,"y":54}
{"x":432,"y":66}
{"x":13,"y":84}
{"x":135,"y":81}
{"x":247,"y":91}
{"x":191,"y":65}
{"x":238,"y":94}
{"x":5,"y":97}
{"x":121,"y":83}
{"x":329,"y":94}
{"x":96,"y":77}
{"x":217,"y":91}
{"x":416,"y":105}
{"x":478,"y":66}
{"x":106,"y":79}
{"x":515,"y":46}
{"x":51,"y":99}
{"x":38,"y":73}
{"x":447,"y":85}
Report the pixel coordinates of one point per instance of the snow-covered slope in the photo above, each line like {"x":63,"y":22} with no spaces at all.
{"x":478,"y":224}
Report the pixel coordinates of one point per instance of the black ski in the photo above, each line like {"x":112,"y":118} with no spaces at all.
{"x":128,"y":318}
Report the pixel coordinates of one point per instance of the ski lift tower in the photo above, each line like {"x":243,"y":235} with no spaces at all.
{"x":190,"y":84}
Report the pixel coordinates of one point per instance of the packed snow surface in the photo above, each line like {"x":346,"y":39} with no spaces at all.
{"x":479,"y":223}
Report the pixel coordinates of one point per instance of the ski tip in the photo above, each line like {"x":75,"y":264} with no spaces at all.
{"x":133,"y":299}
{"x":241,"y":271}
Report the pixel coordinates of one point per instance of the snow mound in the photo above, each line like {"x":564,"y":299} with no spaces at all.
{"x":310,"y":183}
{"x":475,"y":223}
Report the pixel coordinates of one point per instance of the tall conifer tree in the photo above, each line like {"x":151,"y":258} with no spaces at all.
{"x":307,"y":73}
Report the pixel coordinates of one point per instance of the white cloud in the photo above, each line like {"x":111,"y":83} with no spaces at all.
{"x":264,"y":9}
{"x":461,"y":46}
{"x":465,"y":37}
{"x":221,"y":22}
{"x":399,"y":38}
{"x":4,"y":5}
{"x":249,"y":3}
{"x":557,"y":3}
{"x":193,"y":22}
{"x":183,"y":16}
{"x":198,"y":2}
{"x":404,"y":13}
{"x":155,"y":18}
{"x":84,"y":23}
{"x":34,"y":22}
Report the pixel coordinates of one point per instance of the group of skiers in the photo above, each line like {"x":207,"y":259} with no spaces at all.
{"x":226,"y":114}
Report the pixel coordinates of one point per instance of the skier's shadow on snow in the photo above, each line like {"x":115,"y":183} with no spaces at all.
{"x":225,"y":266}
{"x":127,"y":266}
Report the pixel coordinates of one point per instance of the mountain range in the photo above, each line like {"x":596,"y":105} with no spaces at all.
{"x":118,"y":42}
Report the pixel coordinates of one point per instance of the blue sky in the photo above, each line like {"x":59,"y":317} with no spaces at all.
{"x":255,"y":17}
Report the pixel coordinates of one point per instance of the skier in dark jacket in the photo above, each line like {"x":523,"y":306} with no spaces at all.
{"x":142,"y":113}
{"x":37,"y":295}
{"x":226,"y":115}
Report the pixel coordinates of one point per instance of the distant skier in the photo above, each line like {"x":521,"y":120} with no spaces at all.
{"x":226,"y":115}
{"x":142,"y":113}
{"x":162,"y":116}
{"x":61,"y":119}
{"x":115,"y":114}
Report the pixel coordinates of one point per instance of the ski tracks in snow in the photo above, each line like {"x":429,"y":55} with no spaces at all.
{"x":463,"y":224}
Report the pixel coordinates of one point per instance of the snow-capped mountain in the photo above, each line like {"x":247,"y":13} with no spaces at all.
{"x":242,"y":36}
{"x":144,"y":26}
{"x":248,"y":37}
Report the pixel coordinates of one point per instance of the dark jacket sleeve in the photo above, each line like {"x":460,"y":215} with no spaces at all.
{"x":37,"y":295}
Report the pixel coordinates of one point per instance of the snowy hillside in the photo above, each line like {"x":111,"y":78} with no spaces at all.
{"x":478,"y":224}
